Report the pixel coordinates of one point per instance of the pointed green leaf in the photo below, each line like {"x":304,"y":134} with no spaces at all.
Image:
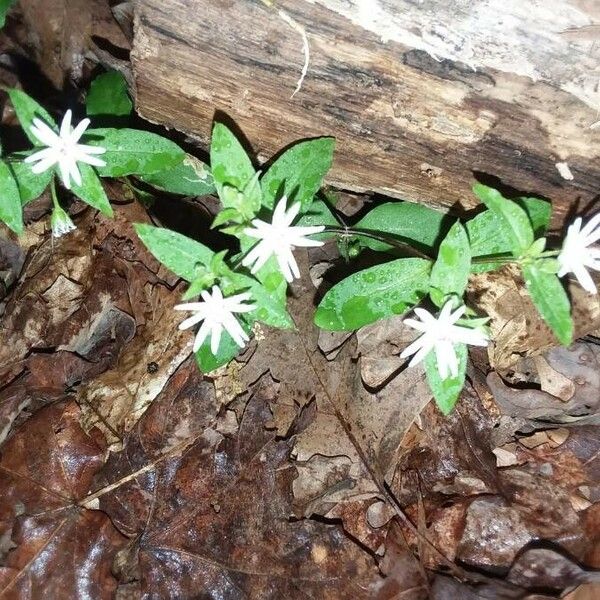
{"x":319,"y":213}
{"x":91,"y":190}
{"x":487,"y":236}
{"x":298,"y":173}
{"x":133,"y":152}
{"x":270,"y":304}
{"x":30,"y":184}
{"x":407,"y":222}
{"x":26,"y":109}
{"x":108,"y":95}
{"x":446,"y":391}
{"x":190,"y":177}
{"x":450,"y":273}
{"x":229,"y":162}
{"x":551,"y":300}
{"x":375,"y":293}
{"x":11,"y":211}
{"x":179,"y":253}
{"x":227,"y":351}
{"x":227,"y":215}
{"x":512,"y":219}
{"x":204,"y":280}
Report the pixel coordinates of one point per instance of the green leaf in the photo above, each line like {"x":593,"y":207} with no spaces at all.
{"x":26,"y":109}
{"x":108,"y":95}
{"x":11,"y":211}
{"x":375,"y":293}
{"x":487,"y":235}
{"x":227,"y":351}
{"x":512,"y":219}
{"x":319,"y":213}
{"x":190,"y":177}
{"x":5,"y":6}
{"x":246,"y":202}
{"x":538,"y":211}
{"x":298,"y":173}
{"x":30,"y":184}
{"x":446,"y":391}
{"x":551,"y":300}
{"x":91,"y":190}
{"x":177,"y":252}
{"x":229,"y":162}
{"x":133,"y":152}
{"x":204,"y":280}
{"x":227,"y":215}
{"x":270,"y":304}
{"x":450,"y":273}
{"x":407,"y":222}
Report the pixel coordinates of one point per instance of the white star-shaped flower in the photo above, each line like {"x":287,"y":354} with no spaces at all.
{"x":63,"y":149}
{"x":440,"y":335}
{"x":217,"y":314}
{"x":576,"y":256}
{"x":279,"y":238}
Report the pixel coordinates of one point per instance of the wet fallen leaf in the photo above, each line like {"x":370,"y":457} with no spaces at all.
{"x":59,"y":549}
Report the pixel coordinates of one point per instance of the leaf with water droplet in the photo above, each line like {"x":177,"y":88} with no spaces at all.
{"x":373,"y":294}
{"x":450,"y":273}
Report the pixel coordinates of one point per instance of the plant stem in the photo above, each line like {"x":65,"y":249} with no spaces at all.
{"x":53,"y":192}
{"x":349,"y":231}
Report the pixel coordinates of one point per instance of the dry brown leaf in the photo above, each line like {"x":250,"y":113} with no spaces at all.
{"x":580,"y":365}
{"x":517,"y":327}
{"x":215,"y":510}
{"x":60,"y":550}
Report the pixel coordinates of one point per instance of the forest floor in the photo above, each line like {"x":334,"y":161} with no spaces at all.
{"x":313,"y":466}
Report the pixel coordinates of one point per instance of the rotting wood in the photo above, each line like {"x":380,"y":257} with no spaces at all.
{"x":408,"y":124}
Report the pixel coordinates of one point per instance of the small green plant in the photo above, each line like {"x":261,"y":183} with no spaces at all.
{"x":79,"y":156}
{"x":426,"y":260}
{"x":259,"y":210}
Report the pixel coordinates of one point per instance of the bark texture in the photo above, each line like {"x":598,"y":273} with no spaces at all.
{"x":420,"y":96}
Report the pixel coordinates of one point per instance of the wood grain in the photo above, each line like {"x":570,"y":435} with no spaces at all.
{"x":407,"y":125}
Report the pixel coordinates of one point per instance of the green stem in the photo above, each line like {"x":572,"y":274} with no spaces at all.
{"x":349,"y":231}
{"x":53,"y":192}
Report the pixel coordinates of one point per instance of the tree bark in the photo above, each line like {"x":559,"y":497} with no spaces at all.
{"x":420,"y":96}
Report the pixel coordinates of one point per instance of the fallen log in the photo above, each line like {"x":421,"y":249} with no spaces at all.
{"x":420,"y":96}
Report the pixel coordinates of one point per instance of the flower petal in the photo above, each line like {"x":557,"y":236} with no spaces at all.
{"x":65,"y":126}
{"x":44,"y":165}
{"x":63,"y":167}
{"x":585,"y":279}
{"x":589,"y":227}
{"x":203,"y":332}
{"x":191,"y":321}
{"x":78,"y":131}
{"x":215,"y":339}
{"x":44,"y":133}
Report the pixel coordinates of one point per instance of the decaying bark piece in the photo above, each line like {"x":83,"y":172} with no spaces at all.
{"x":418,"y":95}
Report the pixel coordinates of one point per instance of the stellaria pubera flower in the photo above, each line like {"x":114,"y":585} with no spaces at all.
{"x":62,"y":149}
{"x":576,"y":256}
{"x":217,"y":314}
{"x":279,"y":238}
{"x":440,"y":334}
